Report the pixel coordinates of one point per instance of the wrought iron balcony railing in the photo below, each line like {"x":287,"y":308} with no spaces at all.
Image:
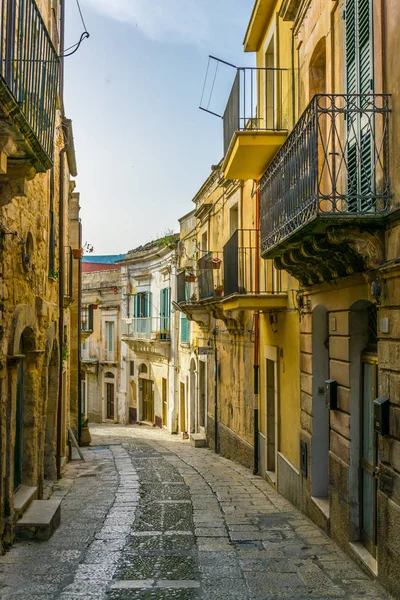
{"x":147,"y":328}
{"x":334,"y":165}
{"x":244,"y":271}
{"x":87,"y":318}
{"x":260,"y":99}
{"x":210,"y":276}
{"x":29,"y":67}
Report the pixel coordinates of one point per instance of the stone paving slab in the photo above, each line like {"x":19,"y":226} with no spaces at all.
{"x":148,"y":516}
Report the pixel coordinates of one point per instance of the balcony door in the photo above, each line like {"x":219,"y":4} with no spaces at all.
{"x":165,"y":312}
{"x":142,"y":315}
{"x":360,"y":118}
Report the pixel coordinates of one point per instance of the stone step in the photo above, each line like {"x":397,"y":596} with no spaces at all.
{"x":22,"y":499}
{"x":40,"y":520}
{"x":198,"y":440}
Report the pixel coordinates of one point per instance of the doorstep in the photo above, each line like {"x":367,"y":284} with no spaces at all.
{"x":22,"y":499}
{"x":198,"y":440}
{"x":40,"y":520}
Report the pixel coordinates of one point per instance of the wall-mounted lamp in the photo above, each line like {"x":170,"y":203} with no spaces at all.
{"x":376,"y":291}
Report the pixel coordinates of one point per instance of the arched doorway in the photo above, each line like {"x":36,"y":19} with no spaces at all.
{"x":320,"y":412}
{"x":363,"y":390}
{"x":109,"y":393}
{"x":146,"y":395}
{"x":193,"y":403}
{"x":26,"y":440}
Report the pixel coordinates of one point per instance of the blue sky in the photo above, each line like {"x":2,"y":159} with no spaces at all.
{"x":133,"y":91}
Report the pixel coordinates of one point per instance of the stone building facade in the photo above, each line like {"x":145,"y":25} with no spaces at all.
{"x":329,"y":218}
{"x":101,"y":345}
{"x":148,"y":390}
{"x":38,"y":275}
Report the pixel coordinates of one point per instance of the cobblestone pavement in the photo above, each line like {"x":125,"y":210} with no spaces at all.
{"x":147,"y":516}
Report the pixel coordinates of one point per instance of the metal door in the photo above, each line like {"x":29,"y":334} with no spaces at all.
{"x":368,"y":463}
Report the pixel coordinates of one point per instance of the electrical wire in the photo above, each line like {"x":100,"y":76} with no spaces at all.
{"x":84,"y":36}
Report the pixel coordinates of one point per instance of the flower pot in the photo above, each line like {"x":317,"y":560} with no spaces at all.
{"x":190,"y":278}
{"x":77,"y":252}
{"x":216,"y":263}
{"x":219,"y":292}
{"x":85,"y":436}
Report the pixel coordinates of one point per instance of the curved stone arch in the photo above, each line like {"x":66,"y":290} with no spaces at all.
{"x":24,"y":317}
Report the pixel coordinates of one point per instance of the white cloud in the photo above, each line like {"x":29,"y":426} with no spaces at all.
{"x":163,"y":20}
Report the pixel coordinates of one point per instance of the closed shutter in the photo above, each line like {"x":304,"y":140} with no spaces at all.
{"x":359,"y":50}
{"x":359,"y":80}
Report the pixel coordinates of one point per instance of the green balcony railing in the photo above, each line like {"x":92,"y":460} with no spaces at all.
{"x":29,"y":67}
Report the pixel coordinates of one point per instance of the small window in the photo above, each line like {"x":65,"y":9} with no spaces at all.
{"x":132,"y":368}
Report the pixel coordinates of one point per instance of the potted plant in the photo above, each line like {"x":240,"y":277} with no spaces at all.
{"x":219,"y":290}
{"x":85,"y":433}
{"x":216,"y":263}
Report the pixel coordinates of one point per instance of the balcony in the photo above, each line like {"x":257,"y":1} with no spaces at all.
{"x":250,"y":282}
{"x":256,"y":121}
{"x":198,"y":298}
{"x":86,"y":321}
{"x":324,"y":197}
{"x":147,"y":335}
{"x":29,"y":73}
{"x":91,"y":352}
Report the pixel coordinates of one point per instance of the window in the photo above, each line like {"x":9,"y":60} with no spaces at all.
{"x":359,"y":80}
{"x":141,"y":305}
{"x":165,"y":312}
{"x":132,"y":368}
{"x":110,"y":336}
{"x":233,"y":219}
{"x":184,"y":329}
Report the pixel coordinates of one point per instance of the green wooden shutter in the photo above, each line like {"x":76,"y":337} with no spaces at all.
{"x":147,"y":307}
{"x":359,"y":80}
{"x":350,"y":45}
{"x":359,"y":47}
{"x":365,"y":46}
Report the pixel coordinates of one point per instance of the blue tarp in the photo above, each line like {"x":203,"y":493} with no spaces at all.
{"x":106,"y":259}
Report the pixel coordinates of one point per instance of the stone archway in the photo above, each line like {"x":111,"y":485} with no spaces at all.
{"x":23,"y":411}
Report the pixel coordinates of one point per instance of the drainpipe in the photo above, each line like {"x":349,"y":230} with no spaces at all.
{"x":214,"y":334}
{"x":79,"y":336}
{"x":61,"y":244}
{"x":256,"y":360}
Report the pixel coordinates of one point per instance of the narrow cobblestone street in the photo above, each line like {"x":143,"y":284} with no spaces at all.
{"x":149,"y":516}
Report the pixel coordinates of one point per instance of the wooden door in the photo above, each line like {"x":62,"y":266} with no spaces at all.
{"x":182,"y":408}
{"x":164,"y":403}
{"x":110,"y":400}
{"x":148,"y":404}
